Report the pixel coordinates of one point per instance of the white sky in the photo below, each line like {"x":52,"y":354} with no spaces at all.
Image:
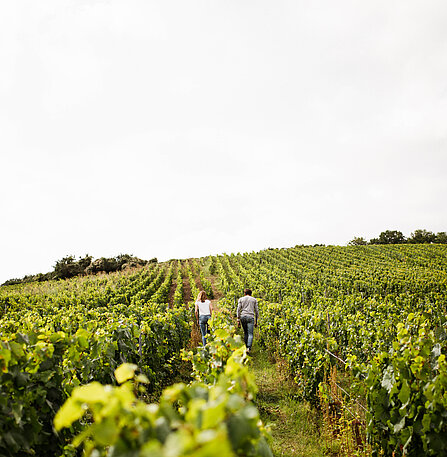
{"x":186,"y":128}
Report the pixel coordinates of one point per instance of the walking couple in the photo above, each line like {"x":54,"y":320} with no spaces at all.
{"x":247,"y":315}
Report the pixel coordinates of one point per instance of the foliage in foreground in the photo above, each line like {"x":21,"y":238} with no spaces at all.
{"x":407,"y":396}
{"x":38,"y":370}
{"x":213,"y":416}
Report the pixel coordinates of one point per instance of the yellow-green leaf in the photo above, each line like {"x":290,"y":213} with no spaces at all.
{"x":125,"y":372}
{"x":70,"y":411}
{"x":92,"y":393}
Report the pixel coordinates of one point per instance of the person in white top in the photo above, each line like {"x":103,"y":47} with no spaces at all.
{"x":204,"y":311}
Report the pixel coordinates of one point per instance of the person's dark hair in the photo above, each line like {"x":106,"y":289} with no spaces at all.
{"x":247,"y":291}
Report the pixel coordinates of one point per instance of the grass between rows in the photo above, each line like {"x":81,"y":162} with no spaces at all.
{"x":293,"y":424}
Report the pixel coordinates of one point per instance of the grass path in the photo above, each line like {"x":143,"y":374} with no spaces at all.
{"x":292,"y":423}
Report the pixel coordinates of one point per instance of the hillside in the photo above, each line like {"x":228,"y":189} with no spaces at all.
{"x":360,"y":331}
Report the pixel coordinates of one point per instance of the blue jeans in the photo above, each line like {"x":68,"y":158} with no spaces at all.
{"x":203,"y":322}
{"x":248,"y":324}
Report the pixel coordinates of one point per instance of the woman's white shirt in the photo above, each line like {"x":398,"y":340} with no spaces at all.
{"x":204,"y":307}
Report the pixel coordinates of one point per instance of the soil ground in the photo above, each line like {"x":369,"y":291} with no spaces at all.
{"x":196,"y":277}
{"x":186,"y":288}
{"x":172,"y":292}
{"x":216,"y":291}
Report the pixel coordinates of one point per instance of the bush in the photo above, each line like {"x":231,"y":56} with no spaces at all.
{"x":69,"y":267}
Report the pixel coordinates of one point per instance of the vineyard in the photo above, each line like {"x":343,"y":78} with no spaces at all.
{"x":110,"y":363}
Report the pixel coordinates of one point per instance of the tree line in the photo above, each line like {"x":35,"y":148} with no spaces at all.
{"x":420,"y":236}
{"x":69,"y":267}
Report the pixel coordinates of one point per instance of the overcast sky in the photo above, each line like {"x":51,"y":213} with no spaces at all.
{"x":186,"y":128}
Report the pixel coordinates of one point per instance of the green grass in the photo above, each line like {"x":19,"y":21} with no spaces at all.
{"x":292,"y":423}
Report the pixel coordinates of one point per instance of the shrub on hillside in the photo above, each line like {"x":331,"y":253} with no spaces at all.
{"x":358,"y":241}
{"x":69,"y":267}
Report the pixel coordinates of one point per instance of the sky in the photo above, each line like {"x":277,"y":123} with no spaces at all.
{"x":177,"y":129}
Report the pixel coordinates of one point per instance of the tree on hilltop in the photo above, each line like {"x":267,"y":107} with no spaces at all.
{"x":389,"y":237}
{"x":421,"y":236}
